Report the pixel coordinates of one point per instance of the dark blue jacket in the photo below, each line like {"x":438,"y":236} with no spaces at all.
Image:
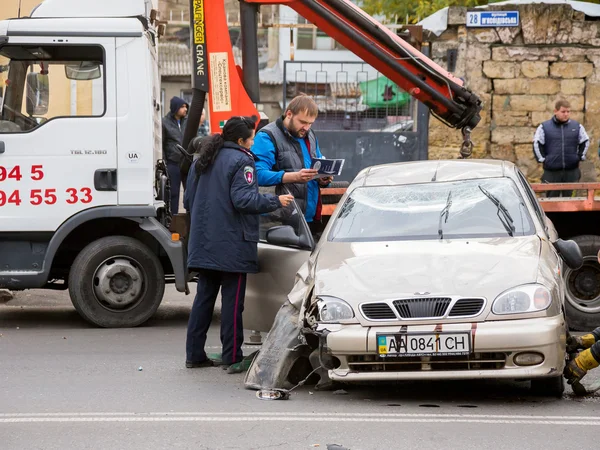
{"x":224,"y":206}
{"x":172,"y":132}
{"x":560,"y":145}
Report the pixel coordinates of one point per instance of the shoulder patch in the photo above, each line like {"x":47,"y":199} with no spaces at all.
{"x":249,"y":174}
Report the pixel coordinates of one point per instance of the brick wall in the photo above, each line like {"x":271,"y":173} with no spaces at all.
{"x":519,"y":73}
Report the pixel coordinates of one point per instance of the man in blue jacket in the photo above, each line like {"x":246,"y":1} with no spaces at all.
{"x":560,"y":144}
{"x":285,"y":150}
{"x":173,"y":126}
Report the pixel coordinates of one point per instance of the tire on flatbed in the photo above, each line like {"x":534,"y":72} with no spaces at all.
{"x":116,"y":282}
{"x":582,"y":287}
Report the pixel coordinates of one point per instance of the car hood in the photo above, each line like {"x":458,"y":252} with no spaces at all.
{"x":372,"y":271}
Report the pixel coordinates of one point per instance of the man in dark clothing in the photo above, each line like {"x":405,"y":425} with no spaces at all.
{"x":173,"y":126}
{"x":560,"y":144}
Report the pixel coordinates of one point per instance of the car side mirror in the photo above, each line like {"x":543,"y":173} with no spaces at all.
{"x":38,"y":94}
{"x":570,"y":253}
{"x":283,"y":235}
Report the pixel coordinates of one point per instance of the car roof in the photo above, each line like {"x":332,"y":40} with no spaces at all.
{"x":436,"y":170}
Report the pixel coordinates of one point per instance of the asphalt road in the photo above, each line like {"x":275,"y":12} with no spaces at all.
{"x":67,"y":385}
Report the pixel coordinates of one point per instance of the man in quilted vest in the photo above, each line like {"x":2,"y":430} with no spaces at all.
{"x":560,"y":144}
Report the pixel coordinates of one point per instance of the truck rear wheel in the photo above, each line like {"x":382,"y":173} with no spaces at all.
{"x":582,"y":287}
{"x":116,"y":281}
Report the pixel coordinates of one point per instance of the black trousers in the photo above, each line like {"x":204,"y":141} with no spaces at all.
{"x":175,"y":177}
{"x":561,"y":176}
{"x":233,"y":291}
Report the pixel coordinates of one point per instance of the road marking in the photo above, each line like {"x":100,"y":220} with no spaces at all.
{"x":294,"y":417}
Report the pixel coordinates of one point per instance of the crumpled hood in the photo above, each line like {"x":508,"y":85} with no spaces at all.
{"x":371,"y":271}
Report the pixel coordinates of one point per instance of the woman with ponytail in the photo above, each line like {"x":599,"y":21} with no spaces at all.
{"x":224,"y":203}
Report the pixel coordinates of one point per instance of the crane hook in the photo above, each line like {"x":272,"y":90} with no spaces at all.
{"x":466,"y":149}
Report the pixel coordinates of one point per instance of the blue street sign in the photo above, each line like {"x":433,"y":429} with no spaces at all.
{"x":492,"y":19}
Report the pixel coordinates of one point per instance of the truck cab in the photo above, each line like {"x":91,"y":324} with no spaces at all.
{"x":80,"y":135}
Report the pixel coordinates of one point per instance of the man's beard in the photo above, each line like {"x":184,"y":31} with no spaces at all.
{"x":297,"y":133}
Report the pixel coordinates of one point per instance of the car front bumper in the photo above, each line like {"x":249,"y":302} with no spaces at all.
{"x":494,"y":345}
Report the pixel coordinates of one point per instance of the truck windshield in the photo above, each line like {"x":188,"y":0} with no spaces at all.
{"x":40,"y":83}
{"x":483,"y":208}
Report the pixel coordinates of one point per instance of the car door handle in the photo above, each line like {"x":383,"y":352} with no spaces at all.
{"x":2,"y":148}
{"x":105,"y":180}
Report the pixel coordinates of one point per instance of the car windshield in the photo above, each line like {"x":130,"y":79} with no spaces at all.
{"x":491,"y":207}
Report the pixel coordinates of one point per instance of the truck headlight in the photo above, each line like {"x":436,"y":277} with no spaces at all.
{"x":332,"y":309}
{"x":523,"y":299}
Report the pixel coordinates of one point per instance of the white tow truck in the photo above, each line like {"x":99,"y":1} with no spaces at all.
{"x":80,"y":191}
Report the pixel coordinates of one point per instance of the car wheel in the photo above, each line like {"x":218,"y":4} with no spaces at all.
{"x":548,"y":387}
{"x":334,"y":199}
{"x":115,"y":282}
{"x":582,"y":287}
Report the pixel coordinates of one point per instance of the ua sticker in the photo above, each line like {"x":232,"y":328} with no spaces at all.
{"x":249,"y":174}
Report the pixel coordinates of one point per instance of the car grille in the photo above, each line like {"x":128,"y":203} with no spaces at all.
{"x":467,"y":307}
{"x":420,"y":308}
{"x":475,"y":361}
{"x":378,"y":311}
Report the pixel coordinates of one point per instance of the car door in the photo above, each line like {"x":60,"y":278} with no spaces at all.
{"x":279,"y":259}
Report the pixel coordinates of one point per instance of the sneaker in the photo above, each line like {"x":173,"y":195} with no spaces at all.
{"x":216,"y":358}
{"x":195,"y":365}
{"x":239,"y":367}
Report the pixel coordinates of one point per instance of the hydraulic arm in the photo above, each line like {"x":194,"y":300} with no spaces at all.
{"x":234,"y":92}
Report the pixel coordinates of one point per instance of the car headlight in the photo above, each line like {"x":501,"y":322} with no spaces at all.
{"x":523,"y":299}
{"x":333,"y":309}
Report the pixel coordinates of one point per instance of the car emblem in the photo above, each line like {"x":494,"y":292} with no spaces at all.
{"x":421,"y":293}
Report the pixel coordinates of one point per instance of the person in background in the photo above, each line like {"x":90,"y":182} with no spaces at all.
{"x":560,"y":144}
{"x":224,"y":202}
{"x":173,"y":127}
{"x":285,"y":150}
{"x":203,"y":128}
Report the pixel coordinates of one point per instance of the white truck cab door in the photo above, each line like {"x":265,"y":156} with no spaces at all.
{"x":58,"y":138}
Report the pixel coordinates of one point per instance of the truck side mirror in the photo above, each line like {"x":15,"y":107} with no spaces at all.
{"x":38,"y":94}
{"x":83,"y":71}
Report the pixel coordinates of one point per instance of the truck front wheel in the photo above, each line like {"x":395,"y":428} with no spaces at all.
{"x":116,"y":281}
{"x":582,"y":287}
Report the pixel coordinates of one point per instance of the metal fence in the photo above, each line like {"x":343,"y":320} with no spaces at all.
{"x":351,"y":95}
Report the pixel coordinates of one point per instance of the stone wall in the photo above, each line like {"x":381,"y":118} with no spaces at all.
{"x":519,"y":73}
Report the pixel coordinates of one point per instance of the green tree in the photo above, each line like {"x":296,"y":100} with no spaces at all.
{"x":399,"y":10}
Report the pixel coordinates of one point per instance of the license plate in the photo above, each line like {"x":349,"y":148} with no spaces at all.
{"x":423,"y":344}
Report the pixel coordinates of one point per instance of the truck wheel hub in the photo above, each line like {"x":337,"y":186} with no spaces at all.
{"x":118,"y":283}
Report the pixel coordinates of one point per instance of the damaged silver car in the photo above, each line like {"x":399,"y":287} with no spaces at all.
{"x":426,"y":270}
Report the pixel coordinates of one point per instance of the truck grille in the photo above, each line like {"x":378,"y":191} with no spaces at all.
{"x":421,"y":308}
{"x":475,"y":361}
{"x":467,"y":307}
{"x":378,"y":311}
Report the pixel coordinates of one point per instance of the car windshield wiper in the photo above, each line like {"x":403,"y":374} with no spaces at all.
{"x":505,"y":218}
{"x":445,"y":212}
